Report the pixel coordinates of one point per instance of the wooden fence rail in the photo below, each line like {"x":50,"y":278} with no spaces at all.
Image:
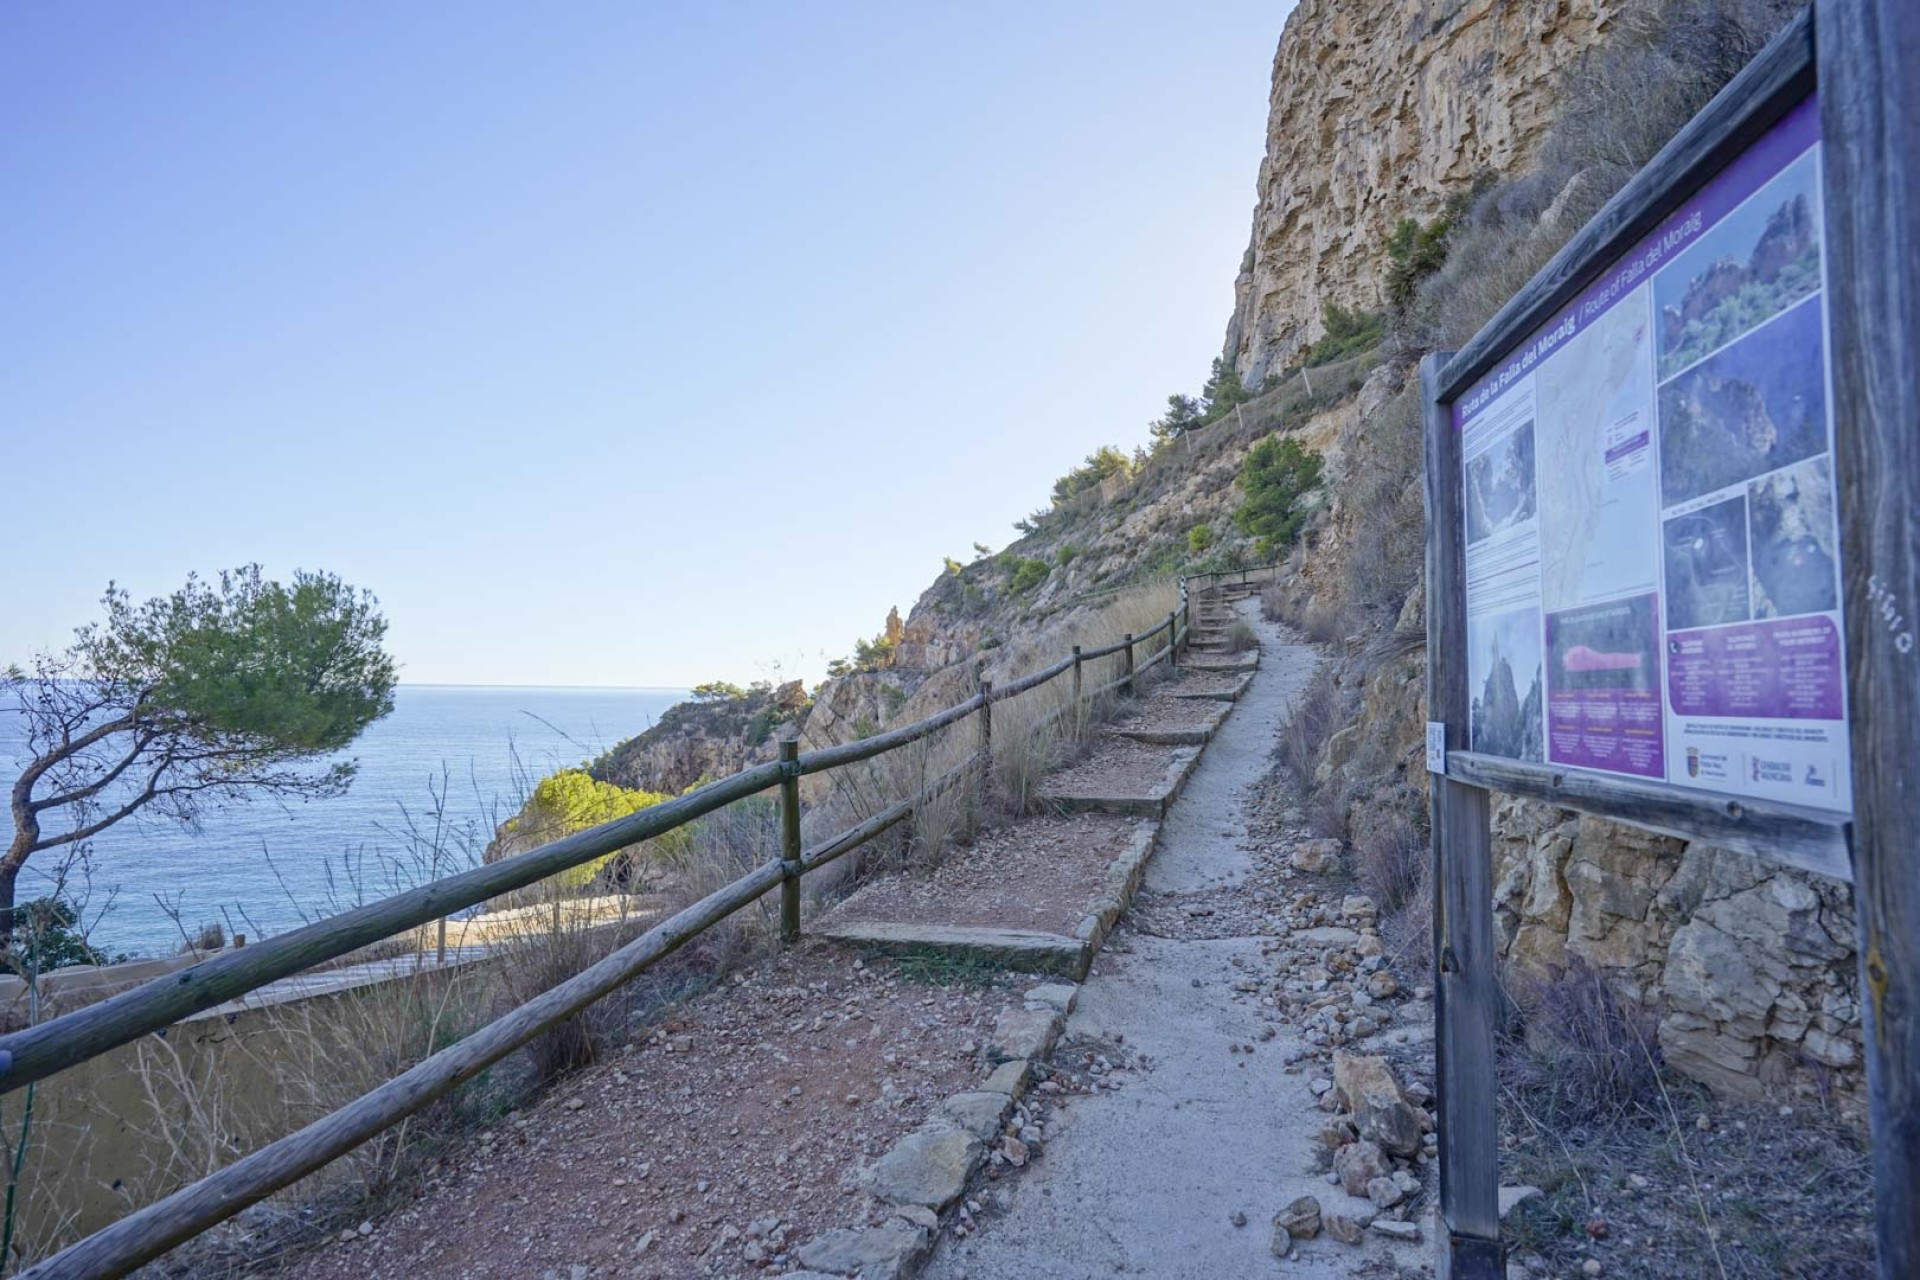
{"x":39,"y":1051}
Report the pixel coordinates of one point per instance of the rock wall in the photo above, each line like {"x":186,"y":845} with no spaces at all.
{"x":1748,"y":965}
{"x":1381,"y":110}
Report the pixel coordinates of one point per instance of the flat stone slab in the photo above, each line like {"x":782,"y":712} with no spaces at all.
{"x":1024,"y":950}
{"x":1212,"y":662}
{"x":1192,"y":735}
{"x":1057,"y":996}
{"x":1152,"y":804}
{"x":978,"y":1111}
{"x":1123,"y":881}
{"x":928,"y":1167}
{"x":1009,"y":1078}
{"x":1023,"y":1033}
{"x":1217,"y":686}
{"x":885,"y":1252}
{"x":1327,"y":935}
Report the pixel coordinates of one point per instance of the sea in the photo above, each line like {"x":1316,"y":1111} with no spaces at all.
{"x":435,"y":777}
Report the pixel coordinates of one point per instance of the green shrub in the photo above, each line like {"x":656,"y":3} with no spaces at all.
{"x":1348,"y":333}
{"x":1028,"y":574}
{"x":569,"y":801}
{"x":1199,"y":538}
{"x":1183,"y":414}
{"x":45,"y":936}
{"x":1101,"y":464}
{"x":1066,"y":555}
{"x":1278,"y":472}
{"x":1416,"y":250}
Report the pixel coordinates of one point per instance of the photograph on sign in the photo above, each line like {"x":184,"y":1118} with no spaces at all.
{"x":1652,"y":565}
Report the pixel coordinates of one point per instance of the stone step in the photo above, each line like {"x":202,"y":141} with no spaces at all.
{"x":1153,"y":804}
{"x":1024,"y":950}
{"x":1186,"y":736}
{"x":1246,"y":661}
{"x":1224,"y":694}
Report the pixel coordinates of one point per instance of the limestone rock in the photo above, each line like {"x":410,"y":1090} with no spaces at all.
{"x":1300,"y":1220}
{"x":1380,"y":112}
{"x":1359,"y":1163}
{"x":885,"y":1252}
{"x":1512,"y":1198}
{"x":1022,"y":1033}
{"x":927,"y":1167}
{"x":1313,"y":856}
{"x":1382,"y":1113}
{"x":978,"y":1112}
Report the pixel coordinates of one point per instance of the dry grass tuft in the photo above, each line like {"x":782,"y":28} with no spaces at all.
{"x":1315,"y":715}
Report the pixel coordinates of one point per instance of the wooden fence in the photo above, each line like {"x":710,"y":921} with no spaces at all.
{"x":37,"y":1052}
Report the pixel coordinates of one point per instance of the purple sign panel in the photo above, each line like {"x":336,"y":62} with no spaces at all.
{"x":1652,"y":540}
{"x":1778,"y":670}
{"x":1603,"y":687}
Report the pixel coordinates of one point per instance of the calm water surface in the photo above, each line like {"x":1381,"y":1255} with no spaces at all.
{"x":435,"y":777}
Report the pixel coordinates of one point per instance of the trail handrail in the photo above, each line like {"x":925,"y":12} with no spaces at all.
{"x":39,"y":1051}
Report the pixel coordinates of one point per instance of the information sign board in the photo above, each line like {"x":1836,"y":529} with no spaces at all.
{"x":1652,"y":563}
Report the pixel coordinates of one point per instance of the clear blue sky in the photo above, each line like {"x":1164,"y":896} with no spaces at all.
{"x":608,"y":344}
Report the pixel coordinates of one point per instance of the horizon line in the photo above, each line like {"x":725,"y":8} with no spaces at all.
{"x":611,"y":688}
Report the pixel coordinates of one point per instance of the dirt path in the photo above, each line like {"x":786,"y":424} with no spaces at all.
{"x":1148,"y":1179}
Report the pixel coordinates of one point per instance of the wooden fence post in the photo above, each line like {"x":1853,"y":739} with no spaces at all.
{"x":1126,"y":670}
{"x":789,"y":840}
{"x":1076,"y":684}
{"x":986,"y":731}
{"x":441,"y":948}
{"x":1870,"y":122}
{"x":1465,"y":990}
{"x":1173,"y":635}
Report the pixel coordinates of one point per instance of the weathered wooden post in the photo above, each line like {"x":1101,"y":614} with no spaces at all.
{"x":1465,"y":989}
{"x":789,"y":840}
{"x":986,"y":731}
{"x":1126,"y":669}
{"x":1173,"y":635}
{"x":440,"y":950}
{"x":1870,"y":123}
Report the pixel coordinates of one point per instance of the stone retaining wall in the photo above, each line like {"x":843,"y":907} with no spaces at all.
{"x":1748,"y":965}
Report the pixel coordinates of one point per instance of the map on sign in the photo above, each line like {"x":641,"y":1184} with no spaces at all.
{"x":1652,"y":564}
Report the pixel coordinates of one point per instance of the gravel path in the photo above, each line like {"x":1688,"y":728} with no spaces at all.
{"x":1149,"y":1178}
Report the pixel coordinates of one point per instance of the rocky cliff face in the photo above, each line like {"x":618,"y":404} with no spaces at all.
{"x":704,"y":737}
{"x":1381,"y":111}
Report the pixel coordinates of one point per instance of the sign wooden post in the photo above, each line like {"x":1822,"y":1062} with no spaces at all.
{"x":1870,"y":117}
{"x":1673,"y":553}
{"x":1464,"y":991}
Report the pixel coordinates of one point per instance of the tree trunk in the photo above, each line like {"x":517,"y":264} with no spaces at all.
{"x":9,"y":873}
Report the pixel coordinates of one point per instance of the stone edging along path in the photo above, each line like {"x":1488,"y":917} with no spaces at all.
{"x":927,"y":1171}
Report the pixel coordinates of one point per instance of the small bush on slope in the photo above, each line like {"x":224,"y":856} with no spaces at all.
{"x":1277,"y":474}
